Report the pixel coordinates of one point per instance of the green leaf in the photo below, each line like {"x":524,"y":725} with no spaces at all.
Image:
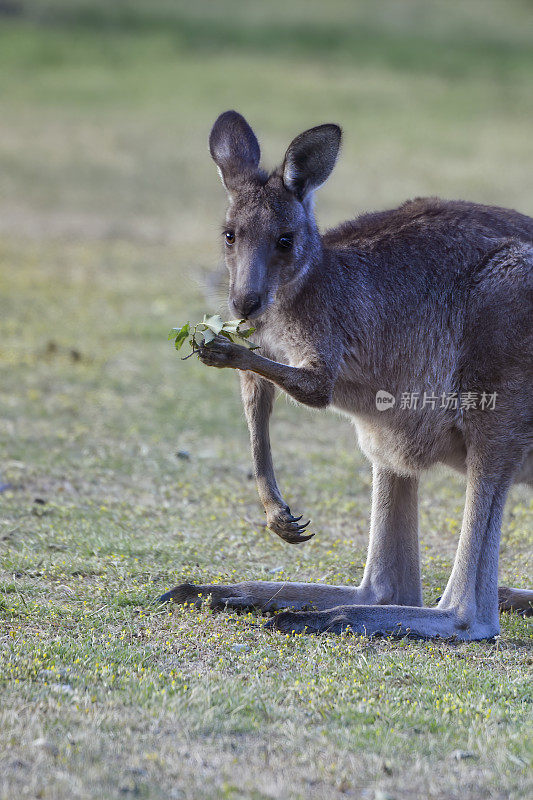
{"x":208,"y":336}
{"x":180,"y":338}
{"x":174,"y":332}
{"x":214,"y":323}
{"x":232,"y":326}
{"x":246,"y":332}
{"x":238,"y":339}
{"x":181,"y":335}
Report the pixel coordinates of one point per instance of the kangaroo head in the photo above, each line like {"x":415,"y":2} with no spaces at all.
{"x":270,"y":232}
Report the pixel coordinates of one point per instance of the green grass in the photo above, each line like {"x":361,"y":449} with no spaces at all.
{"x":109,"y":216}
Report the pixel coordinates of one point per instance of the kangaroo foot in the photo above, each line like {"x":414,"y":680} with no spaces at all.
{"x":519,"y":600}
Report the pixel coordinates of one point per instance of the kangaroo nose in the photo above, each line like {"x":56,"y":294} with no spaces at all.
{"x":247,"y":305}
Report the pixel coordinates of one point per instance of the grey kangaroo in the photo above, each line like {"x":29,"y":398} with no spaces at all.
{"x":433,"y":298}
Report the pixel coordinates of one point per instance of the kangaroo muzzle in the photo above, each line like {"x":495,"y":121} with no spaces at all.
{"x":246,"y":305}
{"x":249,"y":293}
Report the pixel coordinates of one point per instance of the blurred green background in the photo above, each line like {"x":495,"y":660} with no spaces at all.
{"x":106,"y":106}
{"x":109,"y":235}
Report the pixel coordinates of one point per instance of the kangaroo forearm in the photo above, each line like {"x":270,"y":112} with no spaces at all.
{"x":258,"y":397}
{"x":265,"y":477}
{"x":312,"y":387}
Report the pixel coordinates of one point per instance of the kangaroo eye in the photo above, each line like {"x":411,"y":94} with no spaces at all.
{"x":284,"y":242}
{"x":230,"y":237}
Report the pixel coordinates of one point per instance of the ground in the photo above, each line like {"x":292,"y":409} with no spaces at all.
{"x":128,"y":470}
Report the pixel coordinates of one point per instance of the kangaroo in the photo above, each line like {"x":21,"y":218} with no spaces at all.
{"x":430,"y":300}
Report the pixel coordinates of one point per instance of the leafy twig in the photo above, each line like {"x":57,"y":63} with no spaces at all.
{"x":204,"y":332}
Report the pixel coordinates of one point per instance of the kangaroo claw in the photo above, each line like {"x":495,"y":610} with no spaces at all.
{"x":294,"y":538}
{"x":287,"y":527}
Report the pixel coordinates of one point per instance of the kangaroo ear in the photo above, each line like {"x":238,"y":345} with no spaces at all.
{"x":310,"y":159}
{"x":234,"y":149}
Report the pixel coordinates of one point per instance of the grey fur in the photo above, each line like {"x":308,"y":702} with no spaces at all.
{"x":434,"y":296}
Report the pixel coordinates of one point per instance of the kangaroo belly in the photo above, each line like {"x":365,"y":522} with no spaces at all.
{"x":409,"y":442}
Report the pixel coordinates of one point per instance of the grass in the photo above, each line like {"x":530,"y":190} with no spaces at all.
{"x":108,"y":237}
